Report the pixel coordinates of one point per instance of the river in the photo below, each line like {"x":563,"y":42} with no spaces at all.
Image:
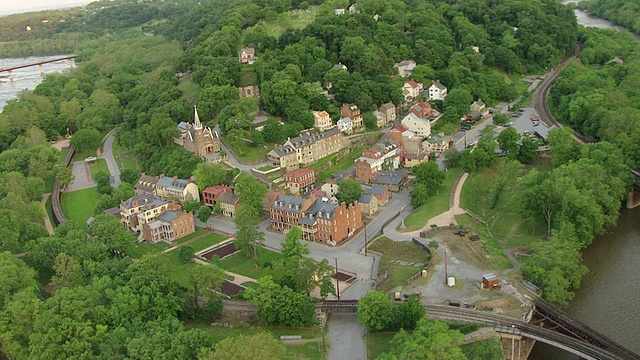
{"x":609,"y":296}
{"x":27,"y":78}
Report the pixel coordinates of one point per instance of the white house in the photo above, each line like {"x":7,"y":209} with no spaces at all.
{"x":322,"y":121}
{"x":418,"y":125}
{"x":381,"y":118}
{"x":411,"y":90}
{"x":345,"y":125}
{"x":437,"y":91}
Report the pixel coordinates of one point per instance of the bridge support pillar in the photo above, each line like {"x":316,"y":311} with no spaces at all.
{"x":516,"y":347}
{"x":633,"y":200}
{"x":41,"y":68}
{"x":10,"y":74}
{"x":70,"y":62}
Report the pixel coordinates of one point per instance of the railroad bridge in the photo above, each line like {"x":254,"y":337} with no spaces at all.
{"x":559,"y":329}
{"x":40,"y":64}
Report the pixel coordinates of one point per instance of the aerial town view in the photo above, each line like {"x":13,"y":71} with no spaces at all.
{"x":320,"y":179}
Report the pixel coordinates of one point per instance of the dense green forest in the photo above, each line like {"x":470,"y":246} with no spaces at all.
{"x":142,"y":66}
{"x":599,"y":96}
{"x":621,"y":12}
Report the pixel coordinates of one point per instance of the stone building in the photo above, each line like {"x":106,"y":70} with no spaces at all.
{"x":307,"y":149}
{"x":198,"y":139}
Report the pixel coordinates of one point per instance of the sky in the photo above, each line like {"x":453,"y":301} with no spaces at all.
{"x":20,"y":6}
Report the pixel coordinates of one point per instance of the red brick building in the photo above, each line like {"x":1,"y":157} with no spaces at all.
{"x":395,"y":134}
{"x":169,"y":226}
{"x":320,"y":220}
{"x":300,"y":181}
{"x":352,"y":111}
{"x":364,"y":170}
{"x":212,"y":193}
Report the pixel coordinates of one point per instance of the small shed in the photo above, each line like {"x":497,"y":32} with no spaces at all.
{"x":490,"y":280}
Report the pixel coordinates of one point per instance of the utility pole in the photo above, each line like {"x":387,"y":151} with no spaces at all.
{"x":337,"y":280}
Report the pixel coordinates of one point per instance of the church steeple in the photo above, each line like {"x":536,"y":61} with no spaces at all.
{"x":197,"y":125}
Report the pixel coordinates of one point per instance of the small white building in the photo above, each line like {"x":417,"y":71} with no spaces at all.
{"x":437,"y":91}
{"x":345,"y":125}
{"x":419,"y":126}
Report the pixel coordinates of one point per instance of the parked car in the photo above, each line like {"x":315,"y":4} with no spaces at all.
{"x":510,"y":123}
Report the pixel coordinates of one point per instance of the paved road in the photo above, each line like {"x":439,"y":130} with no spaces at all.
{"x":107,"y":155}
{"x":232,"y":159}
{"x":81,"y":175}
{"x":346,"y":337}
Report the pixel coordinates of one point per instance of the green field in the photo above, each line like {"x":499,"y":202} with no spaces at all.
{"x":78,"y":205}
{"x":138,"y":250}
{"x":398,"y":251}
{"x":434,"y":206}
{"x":247,"y":153}
{"x":295,"y":19}
{"x":505,"y":222}
{"x":248,"y":76}
{"x":99,"y":166}
{"x":244,"y":265}
{"x":190,"y":90}
{"x":377,"y":343}
{"x":124,"y":158}
{"x":198,"y":232}
{"x":338,"y":164}
{"x":206,"y":241}
{"x":310,"y":351}
{"x":495,"y":255}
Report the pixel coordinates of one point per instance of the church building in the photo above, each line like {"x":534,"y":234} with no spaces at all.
{"x":199,"y":139}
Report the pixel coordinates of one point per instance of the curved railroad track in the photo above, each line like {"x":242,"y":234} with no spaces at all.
{"x":56,"y":208}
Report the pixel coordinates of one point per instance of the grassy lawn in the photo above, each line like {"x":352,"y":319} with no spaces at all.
{"x":377,"y":343}
{"x":247,"y":153}
{"x":505,"y":222}
{"x":310,"y":351}
{"x":180,"y":271}
{"x":198,"y":232}
{"x":244,"y":265}
{"x":124,"y":158}
{"x":138,"y":250}
{"x":205,"y":242}
{"x":338,"y":164}
{"x":99,"y":166}
{"x":495,"y":256}
{"x":296,"y":19}
{"x":434,"y":206}
{"x":398,"y":251}
{"x":446,"y":128}
{"x":248,"y":76}
{"x":78,"y":205}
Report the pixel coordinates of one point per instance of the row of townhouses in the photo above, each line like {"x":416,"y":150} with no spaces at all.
{"x":307,"y":149}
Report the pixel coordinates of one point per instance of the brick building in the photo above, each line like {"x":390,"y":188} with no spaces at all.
{"x":300,"y":181}
{"x":212,"y":193}
{"x":169,"y":226}
{"x":352,"y":111}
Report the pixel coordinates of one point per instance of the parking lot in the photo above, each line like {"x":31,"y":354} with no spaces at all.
{"x":524,"y":124}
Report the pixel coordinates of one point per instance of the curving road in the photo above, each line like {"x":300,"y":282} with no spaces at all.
{"x":108,"y":157}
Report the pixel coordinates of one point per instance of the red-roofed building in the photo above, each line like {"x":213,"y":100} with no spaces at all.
{"x":212,"y":193}
{"x":300,"y":181}
{"x":421,"y":109}
{"x":411,"y":90}
{"x":395,"y":134}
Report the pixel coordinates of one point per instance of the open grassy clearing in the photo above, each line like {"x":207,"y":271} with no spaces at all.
{"x":337,"y":164}
{"x":504,"y":220}
{"x":294,"y":19}
{"x":377,"y":343}
{"x":198,"y":232}
{"x":247,"y":153}
{"x":78,"y":205}
{"x":190,"y":90}
{"x":206,"y":241}
{"x":248,"y":76}
{"x":392,"y":253}
{"x":99,"y":166}
{"x":138,"y":250}
{"x":485,"y":253}
{"x":434,"y":206}
{"x":309,"y":351}
{"x":244,"y":265}
{"x":446,"y":128}
{"x":124,"y":158}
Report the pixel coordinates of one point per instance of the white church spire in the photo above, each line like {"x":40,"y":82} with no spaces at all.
{"x":197,"y":125}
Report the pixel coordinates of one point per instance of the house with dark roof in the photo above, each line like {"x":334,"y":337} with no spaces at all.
{"x":142,"y":209}
{"x":437,"y":91}
{"x":382,"y":194}
{"x":405,"y":67}
{"x":146,"y":184}
{"x":180,"y":189}
{"x":229,"y":204}
{"x":300,"y":181}
{"x":369,"y":204}
{"x":307,"y":149}
{"x":389,"y":110}
{"x":392,"y":180}
{"x":212,"y":193}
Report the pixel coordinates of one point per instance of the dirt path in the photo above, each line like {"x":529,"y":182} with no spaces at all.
{"x":449,"y":217}
{"x":47,"y":221}
{"x":176,"y":245}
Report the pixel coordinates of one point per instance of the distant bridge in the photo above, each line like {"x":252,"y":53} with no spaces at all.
{"x":40,"y":64}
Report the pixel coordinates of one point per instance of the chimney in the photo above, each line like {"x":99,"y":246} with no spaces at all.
{"x":161,"y":175}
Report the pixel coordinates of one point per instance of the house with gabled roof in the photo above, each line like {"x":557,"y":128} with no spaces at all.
{"x":307,"y":149}
{"x":352,"y":111}
{"x":389,"y":110}
{"x":169,"y":226}
{"x":322,"y":121}
{"x":437,"y":91}
{"x":411,"y":90}
{"x":247,"y":55}
{"x":419,"y":126}
{"x":405,"y":67}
